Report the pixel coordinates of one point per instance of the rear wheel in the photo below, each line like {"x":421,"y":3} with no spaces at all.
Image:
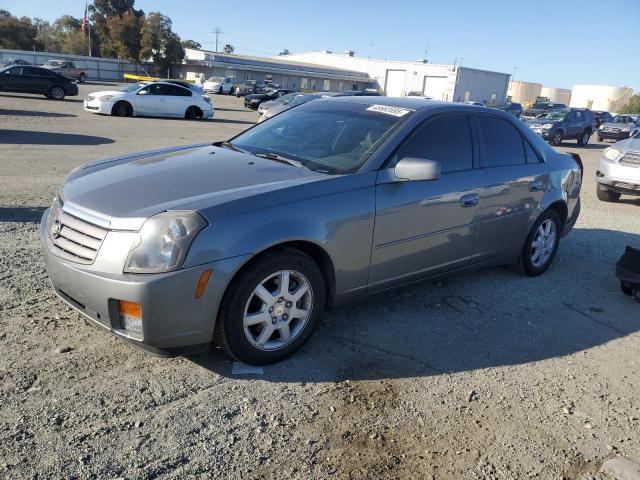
{"x":541,"y":245}
{"x":193,"y":113}
{"x":57,"y":93}
{"x":607,"y":195}
{"x":584,"y":138}
{"x":82,"y":78}
{"x":121,"y":109}
{"x":271,"y":309}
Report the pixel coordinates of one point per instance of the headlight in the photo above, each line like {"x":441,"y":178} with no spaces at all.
{"x":547,"y":126}
{"x":601,"y":127}
{"x":626,"y":129}
{"x":53,"y":220}
{"x":611,"y":153}
{"x":104,"y":98}
{"x":163,"y":242}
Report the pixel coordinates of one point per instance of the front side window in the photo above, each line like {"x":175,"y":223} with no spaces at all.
{"x":503,"y":143}
{"x":335,"y":138}
{"x":13,"y":71}
{"x":445,"y":139}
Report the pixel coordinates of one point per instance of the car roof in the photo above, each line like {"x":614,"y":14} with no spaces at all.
{"x":413,"y":103}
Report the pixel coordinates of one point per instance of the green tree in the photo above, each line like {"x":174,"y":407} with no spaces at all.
{"x":228,"y":48}
{"x":191,"y":44}
{"x":17,"y":33}
{"x":115,"y":28}
{"x":632,"y":106}
{"x":124,"y":34}
{"x":159,"y":43}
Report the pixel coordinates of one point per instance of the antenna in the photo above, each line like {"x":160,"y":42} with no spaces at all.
{"x":217,"y":31}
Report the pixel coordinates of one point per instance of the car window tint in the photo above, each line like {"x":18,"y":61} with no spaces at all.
{"x":155,"y":89}
{"x":502,"y":142}
{"x":174,"y":91}
{"x":446,"y":140}
{"x":32,"y":72}
{"x":579,"y":116}
{"x":15,"y":71}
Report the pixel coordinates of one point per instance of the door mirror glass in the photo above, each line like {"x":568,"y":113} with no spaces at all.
{"x":143,"y":92}
{"x":415,"y":169}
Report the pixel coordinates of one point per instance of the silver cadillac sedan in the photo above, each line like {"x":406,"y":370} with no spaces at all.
{"x":246,"y":242}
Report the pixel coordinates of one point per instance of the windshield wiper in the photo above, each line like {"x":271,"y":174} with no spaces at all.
{"x":279,"y":158}
{"x":229,"y":145}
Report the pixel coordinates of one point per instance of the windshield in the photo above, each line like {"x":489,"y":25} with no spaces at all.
{"x":54,"y":63}
{"x":215,"y":79}
{"x":133,"y":87}
{"x":328,"y":137}
{"x":623,"y":119}
{"x":554,"y":116}
{"x":287,"y":98}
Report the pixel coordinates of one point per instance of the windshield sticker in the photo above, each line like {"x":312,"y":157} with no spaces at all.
{"x":395,"y":111}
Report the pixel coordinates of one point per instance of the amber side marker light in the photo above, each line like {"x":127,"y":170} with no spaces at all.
{"x":130,"y":316}
{"x":202,"y":282}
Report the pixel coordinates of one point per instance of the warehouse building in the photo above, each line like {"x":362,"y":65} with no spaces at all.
{"x":399,"y":78}
{"x":293,"y":75}
{"x":600,"y":97}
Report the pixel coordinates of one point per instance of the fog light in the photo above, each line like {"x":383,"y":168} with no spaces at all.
{"x":130,"y":316}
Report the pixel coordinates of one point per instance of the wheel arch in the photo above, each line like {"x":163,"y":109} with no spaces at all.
{"x":310,"y":248}
{"x":120,"y":102}
{"x":561,"y":208}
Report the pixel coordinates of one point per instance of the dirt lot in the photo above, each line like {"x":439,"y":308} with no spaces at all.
{"x":487,"y":375}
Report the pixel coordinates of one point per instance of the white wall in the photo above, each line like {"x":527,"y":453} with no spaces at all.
{"x":481,"y":85}
{"x":524,"y":92}
{"x":600,"y":97}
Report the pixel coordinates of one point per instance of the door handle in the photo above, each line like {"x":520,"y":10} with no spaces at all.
{"x":535,"y":186}
{"x":470,"y":200}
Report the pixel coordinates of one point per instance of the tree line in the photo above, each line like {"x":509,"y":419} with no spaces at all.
{"x":118,"y":30}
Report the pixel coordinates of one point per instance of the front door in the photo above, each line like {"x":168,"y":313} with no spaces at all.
{"x":423,"y":228}
{"x":150,"y":101}
{"x":515,"y":180}
{"x":11,"y":79}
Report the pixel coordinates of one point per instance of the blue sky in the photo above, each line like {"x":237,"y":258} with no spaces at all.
{"x":559,"y":43}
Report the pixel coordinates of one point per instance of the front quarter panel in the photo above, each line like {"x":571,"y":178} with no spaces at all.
{"x":336,"y":214}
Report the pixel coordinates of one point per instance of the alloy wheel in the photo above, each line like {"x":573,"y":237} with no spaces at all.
{"x":278,"y":310}
{"x":57,"y":93}
{"x":544,"y":243}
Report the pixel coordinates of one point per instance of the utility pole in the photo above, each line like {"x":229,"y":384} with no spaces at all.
{"x":217,"y":31}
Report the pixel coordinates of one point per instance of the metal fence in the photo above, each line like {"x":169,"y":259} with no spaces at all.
{"x":108,"y":69}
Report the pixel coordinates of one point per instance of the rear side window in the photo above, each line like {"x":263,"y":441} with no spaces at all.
{"x":532,"y":156}
{"x":174,"y":91}
{"x":503,"y":143}
{"x":445,"y":139}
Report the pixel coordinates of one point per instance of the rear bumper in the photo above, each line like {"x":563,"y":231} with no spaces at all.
{"x":173,"y":320}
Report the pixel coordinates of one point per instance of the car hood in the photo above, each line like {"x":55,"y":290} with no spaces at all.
{"x":105,"y":92}
{"x":618,"y":125}
{"x":542,"y":121}
{"x":629,"y":144}
{"x":128,"y":190}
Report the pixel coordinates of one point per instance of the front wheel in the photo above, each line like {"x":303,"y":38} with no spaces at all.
{"x":541,"y":245}
{"x":82,"y":78}
{"x":271,"y":309}
{"x":57,"y":93}
{"x":557,"y":138}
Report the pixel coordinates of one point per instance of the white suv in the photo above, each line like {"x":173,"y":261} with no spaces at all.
{"x":619,"y":170}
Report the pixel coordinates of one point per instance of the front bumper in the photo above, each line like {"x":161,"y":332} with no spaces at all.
{"x":547,"y":134}
{"x":173,"y":320}
{"x":96,"y":106}
{"x":619,"y":178}
{"x":251,"y":105}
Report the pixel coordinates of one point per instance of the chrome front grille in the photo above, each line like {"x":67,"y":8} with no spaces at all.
{"x":76,"y":240}
{"x":631,"y":159}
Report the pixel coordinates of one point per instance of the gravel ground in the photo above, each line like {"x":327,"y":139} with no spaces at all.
{"x":486,"y":375}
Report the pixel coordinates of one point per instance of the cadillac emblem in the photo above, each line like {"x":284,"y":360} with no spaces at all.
{"x":55,"y":229}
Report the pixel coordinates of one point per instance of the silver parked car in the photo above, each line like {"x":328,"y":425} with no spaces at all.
{"x":619,"y":169}
{"x":248,"y":241}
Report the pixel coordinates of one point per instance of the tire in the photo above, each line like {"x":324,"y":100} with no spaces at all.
{"x":606,"y":195}
{"x":220,"y":90}
{"x":121,"y":109}
{"x":534,"y":260}
{"x":626,"y":289}
{"x":57,"y":93}
{"x":82,"y":78}
{"x":584,"y":138}
{"x":232,"y":91}
{"x":193,"y":113}
{"x":557,"y":138}
{"x":261,"y":342}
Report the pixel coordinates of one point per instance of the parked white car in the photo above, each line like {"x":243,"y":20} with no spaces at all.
{"x":219,"y":85}
{"x":155,"y":99}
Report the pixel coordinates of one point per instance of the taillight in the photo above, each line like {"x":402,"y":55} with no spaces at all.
{"x":578,"y":160}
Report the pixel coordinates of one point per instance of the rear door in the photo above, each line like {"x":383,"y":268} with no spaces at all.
{"x":40,"y":79}
{"x":177,"y":99}
{"x":515,"y":180}
{"x":423,"y":228}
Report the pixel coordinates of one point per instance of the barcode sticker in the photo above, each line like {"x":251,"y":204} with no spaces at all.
{"x":389,"y":110}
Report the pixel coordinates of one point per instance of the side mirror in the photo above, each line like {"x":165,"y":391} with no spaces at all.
{"x":415,"y":169}
{"x":143,"y":92}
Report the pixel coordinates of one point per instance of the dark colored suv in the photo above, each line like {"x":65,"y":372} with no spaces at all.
{"x":541,"y":108}
{"x":559,"y":125}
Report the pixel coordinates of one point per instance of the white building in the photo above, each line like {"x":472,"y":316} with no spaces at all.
{"x":524,"y":92}
{"x":398,"y":78}
{"x":600,"y":97}
{"x":556,"y":95}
